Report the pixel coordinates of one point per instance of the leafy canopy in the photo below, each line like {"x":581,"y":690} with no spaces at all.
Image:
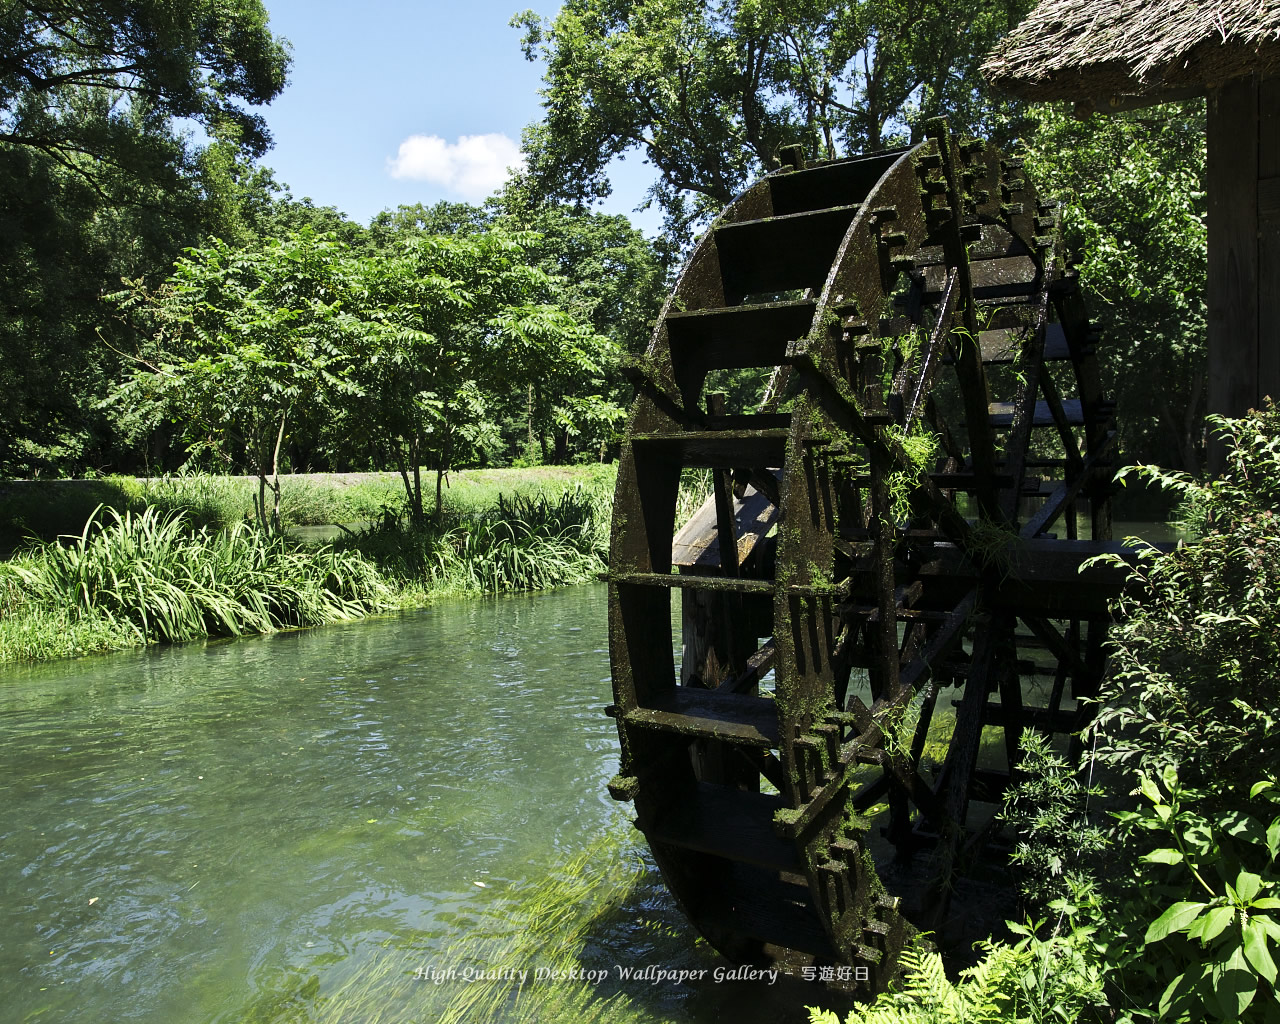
{"x":709,"y":92}
{"x":98,"y":184}
{"x":163,"y":58}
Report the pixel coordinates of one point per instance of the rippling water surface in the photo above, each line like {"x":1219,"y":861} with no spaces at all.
{"x":218,"y":832}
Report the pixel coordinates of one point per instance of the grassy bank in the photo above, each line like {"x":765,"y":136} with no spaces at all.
{"x":177,"y":560}
{"x":129,"y":579}
{"x":47,"y":509}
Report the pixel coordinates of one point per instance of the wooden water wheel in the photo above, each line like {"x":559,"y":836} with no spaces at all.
{"x":884,"y":588}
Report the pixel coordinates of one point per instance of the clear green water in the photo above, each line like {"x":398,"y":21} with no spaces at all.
{"x":232,"y":831}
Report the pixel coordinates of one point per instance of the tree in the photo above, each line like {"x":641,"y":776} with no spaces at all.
{"x":454,"y":331}
{"x":154,"y":59}
{"x":611,"y":277}
{"x":1132,"y":188}
{"x":245,"y":342}
{"x":708,"y":93}
{"x":97,"y":185}
{"x":390,"y":228}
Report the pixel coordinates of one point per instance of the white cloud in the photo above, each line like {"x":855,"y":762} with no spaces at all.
{"x":473,"y":167}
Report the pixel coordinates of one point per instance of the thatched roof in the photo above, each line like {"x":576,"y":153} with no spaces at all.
{"x":1112,"y":49}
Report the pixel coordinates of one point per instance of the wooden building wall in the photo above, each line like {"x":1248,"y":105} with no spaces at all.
{"x":1244,"y":245}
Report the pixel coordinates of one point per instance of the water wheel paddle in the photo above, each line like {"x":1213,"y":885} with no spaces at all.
{"x":872,"y":604}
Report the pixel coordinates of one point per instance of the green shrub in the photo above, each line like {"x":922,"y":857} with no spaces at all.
{"x":525,"y":542}
{"x":1057,"y":837}
{"x":1032,"y":980}
{"x":1200,"y":923}
{"x":1195,"y":657}
{"x":1187,"y":718}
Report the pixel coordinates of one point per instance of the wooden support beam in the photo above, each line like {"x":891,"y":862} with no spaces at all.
{"x":1233,"y":172}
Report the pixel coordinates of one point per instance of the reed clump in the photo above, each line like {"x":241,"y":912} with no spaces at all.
{"x":149,"y":577}
{"x":525,"y":542}
{"x":177,"y":559}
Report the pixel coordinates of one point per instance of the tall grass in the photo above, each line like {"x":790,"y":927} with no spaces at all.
{"x":145,"y":578}
{"x":525,"y":542}
{"x":47,"y":509}
{"x":694,"y":492}
{"x":304,"y":501}
{"x":180,"y":560}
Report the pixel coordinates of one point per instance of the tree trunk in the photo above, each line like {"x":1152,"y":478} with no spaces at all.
{"x":442,"y":468}
{"x":275,"y":477}
{"x":529,"y":414}
{"x":418,"y":514}
{"x":402,"y":466}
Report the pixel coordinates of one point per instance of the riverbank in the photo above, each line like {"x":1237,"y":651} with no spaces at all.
{"x":178,"y":559}
{"x":46,"y":509}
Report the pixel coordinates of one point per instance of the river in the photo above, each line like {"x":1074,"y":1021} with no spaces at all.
{"x":233,"y":831}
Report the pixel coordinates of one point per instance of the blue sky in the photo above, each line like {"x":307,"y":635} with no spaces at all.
{"x":400,"y":102}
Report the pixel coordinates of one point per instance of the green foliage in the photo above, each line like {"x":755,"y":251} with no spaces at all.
{"x":149,"y":578}
{"x":1209,"y":957}
{"x":163,"y":571}
{"x":453,"y":332}
{"x":1047,"y":807}
{"x":96,"y":183}
{"x":1133,"y":218}
{"x":709,"y":92}
{"x":694,"y":492}
{"x":526,"y":542}
{"x":190,"y":59}
{"x":1195,"y":657}
{"x":244,"y":341}
{"x":920,"y":445}
{"x":389,"y":229}
{"x":607,"y":275}
{"x":1184,"y":717}
{"x":44,"y":510}
{"x":1032,"y":980}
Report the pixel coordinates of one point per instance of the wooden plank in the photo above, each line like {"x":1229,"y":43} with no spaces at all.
{"x":1014,"y":273}
{"x":1269,"y":127}
{"x":1096,"y":464}
{"x":990,"y":642}
{"x":734,"y":449}
{"x":734,"y":585}
{"x":755,"y":902}
{"x":734,"y":337}
{"x":709,"y":714}
{"x":778,"y":254}
{"x":758,"y":665}
{"x":1269,"y":237}
{"x":832,"y":184}
{"x":1002,"y":414}
{"x":1233,"y":250}
{"x":698,"y":542}
{"x":1004,"y":344}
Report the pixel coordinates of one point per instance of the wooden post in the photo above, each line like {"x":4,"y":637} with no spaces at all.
{"x":1244,"y":247}
{"x":1233,"y":251}
{"x":1269,"y":238}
